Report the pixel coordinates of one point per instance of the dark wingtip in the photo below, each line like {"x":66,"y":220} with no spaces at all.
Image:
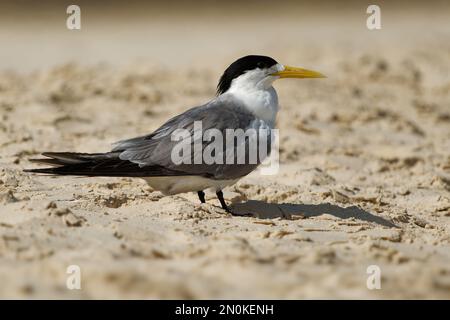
{"x":51,"y":154}
{"x":44,"y":170}
{"x":48,"y":161}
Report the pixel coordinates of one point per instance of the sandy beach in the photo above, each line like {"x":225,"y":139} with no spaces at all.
{"x":364,"y":156}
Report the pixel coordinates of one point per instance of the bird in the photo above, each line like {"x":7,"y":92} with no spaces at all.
{"x":245,"y":99}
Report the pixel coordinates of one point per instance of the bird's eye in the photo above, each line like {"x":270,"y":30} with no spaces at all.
{"x":260,"y":65}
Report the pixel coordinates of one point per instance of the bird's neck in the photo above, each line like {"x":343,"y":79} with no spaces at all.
{"x":262,"y":102}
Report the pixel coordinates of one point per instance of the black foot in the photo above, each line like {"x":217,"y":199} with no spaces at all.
{"x":224,"y":204}
{"x":201,"y":196}
{"x":222,"y":201}
{"x":227,"y":209}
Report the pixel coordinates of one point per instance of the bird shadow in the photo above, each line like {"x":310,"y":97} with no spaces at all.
{"x":264,"y":210}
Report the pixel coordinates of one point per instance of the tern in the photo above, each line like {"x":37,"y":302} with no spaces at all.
{"x":245,"y":99}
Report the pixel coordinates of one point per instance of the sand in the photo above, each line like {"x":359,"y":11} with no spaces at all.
{"x":364,"y":175}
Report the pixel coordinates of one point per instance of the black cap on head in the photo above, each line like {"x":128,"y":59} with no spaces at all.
{"x":240,"y":66}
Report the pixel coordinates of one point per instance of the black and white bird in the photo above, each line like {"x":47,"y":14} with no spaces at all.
{"x":245,"y":99}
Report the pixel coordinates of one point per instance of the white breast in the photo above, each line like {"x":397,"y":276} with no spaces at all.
{"x":257,"y":95}
{"x":181,"y":184}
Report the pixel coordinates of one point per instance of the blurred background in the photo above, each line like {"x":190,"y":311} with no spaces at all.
{"x":178,"y":33}
{"x":360,"y":151}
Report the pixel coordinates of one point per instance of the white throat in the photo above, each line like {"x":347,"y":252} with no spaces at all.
{"x":258,"y":97}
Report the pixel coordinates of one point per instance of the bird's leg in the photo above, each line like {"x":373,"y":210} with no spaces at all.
{"x":222,"y":201}
{"x":201,"y":196}
{"x":226,"y":208}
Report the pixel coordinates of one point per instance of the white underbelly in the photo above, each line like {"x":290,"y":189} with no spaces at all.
{"x":180,"y":184}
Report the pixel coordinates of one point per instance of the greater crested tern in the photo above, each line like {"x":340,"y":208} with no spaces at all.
{"x":245,"y":99}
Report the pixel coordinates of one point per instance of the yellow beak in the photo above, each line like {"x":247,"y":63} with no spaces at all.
{"x":293,"y":72}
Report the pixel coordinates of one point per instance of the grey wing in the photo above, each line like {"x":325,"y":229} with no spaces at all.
{"x":176,"y":144}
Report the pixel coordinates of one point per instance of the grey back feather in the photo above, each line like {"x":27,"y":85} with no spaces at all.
{"x":221,"y":114}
